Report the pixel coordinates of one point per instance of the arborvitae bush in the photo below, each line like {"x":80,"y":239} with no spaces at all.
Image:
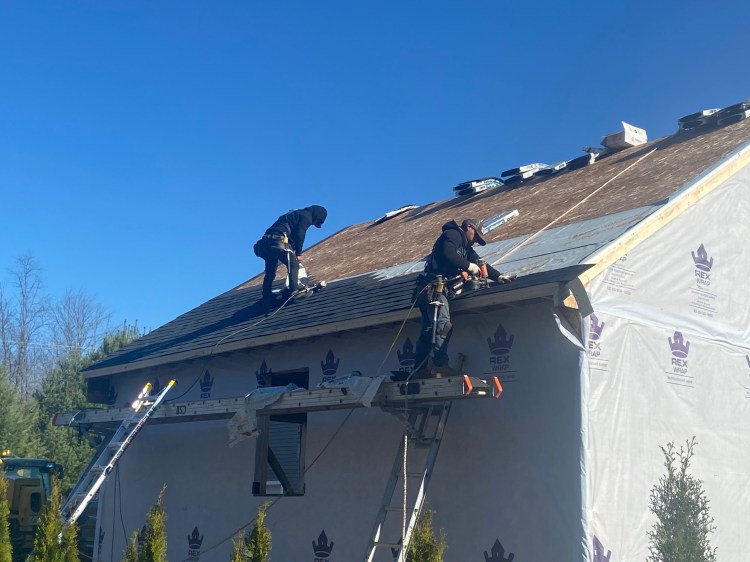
{"x":70,"y":543}
{"x":131,"y":551}
{"x":239,"y":547}
{"x":6,"y":554}
{"x":681,"y":508}
{"x":259,"y":543}
{"x":47,"y":546}
{"x":424,"y":545}
{"x":154,"y":548}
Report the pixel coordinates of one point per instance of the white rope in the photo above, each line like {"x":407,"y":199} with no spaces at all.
{"x":403,"y":523}
{"x":581,"y":202}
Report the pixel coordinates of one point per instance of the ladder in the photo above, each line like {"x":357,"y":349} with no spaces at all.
{"x":420,"y":433}
{"x":88,"y":485}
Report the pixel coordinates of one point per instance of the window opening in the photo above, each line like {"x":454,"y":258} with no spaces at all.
{"x":280,"y":448}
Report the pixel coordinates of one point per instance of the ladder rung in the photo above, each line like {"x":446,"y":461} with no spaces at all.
{"x":387,"y":544}
{"x":114,"y":445}
{"x":97,"y":469}
{"x":399,"y":474}
{"x":394,"y":508}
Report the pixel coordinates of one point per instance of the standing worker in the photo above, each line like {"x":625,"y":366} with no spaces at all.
{"x":283,"y":242}
{"x":452,"y":255}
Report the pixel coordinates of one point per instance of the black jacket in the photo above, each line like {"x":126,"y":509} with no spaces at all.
{"x":295,"y":224}
{"x":452,"y":253}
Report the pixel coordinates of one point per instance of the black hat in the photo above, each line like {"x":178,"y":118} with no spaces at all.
{"x":478,"y":229}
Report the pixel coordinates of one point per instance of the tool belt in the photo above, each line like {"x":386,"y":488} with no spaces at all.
{"x":268,"y":241}
{"x":277,"y":237}
{"x":434,"y":285}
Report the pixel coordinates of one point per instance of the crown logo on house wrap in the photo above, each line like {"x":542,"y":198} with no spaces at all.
{"x":701,"y":259}
{"x":595,"y":332}
{"x":330,"y":366}
{"x":406,"y":355}
{"x":322,"y":549}
{"x":599,"y":551}
{"x":262,"y":373}
{"x":502,"y":343}
{"x":195,"y":540}
{"x":498,"y":554}
{"x":206,"y":382}
{"x":679,"y":346}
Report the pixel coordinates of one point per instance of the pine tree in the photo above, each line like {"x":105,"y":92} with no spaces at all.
{"x":239,"y":547}
{"x":424,"y":546}
{"x":681,"y":508}
{"x":259,"y":543}
{"x":131,"y":552}
{"x":70,"y":543}
{"x":5,"y":548}
{"x":46,"y":545}
{"x":17,"y":421}
{"x":64,"y":390}
{"x":154,"y":548}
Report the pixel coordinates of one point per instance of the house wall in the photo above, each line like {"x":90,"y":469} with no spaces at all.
{"x":669,"y":358}
{"x":507,"y":479}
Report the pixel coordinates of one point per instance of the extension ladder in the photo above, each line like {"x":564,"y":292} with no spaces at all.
{"x":88,"y":485}
{"x":420,"y":433}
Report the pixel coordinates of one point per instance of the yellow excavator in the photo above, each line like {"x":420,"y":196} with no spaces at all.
{"x":29,"y":486}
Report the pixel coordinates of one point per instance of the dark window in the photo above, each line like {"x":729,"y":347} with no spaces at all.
{"x":280,"y":449}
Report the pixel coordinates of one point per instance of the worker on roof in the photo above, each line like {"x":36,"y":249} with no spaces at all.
{"x":283,"y":242}
{"x":452,"y":256}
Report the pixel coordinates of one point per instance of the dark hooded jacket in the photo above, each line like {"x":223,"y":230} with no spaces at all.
{"x":452,"y":253}
{"x":295,"y":224}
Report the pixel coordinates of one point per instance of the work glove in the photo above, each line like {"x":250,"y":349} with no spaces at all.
{"x":474,"y":269}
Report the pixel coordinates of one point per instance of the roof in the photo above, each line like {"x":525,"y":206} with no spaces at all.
{"x":563,"y":220}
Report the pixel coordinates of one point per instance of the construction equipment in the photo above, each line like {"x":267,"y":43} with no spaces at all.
{"x":423,"y":405}
{"x":423,"y":432}
{"x":90,"y":482}
{"x":29,"y":488}
{"x":301,"y":400}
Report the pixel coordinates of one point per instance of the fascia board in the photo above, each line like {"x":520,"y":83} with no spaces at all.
{"x":476,"y":301}
{"x":683,"y":198}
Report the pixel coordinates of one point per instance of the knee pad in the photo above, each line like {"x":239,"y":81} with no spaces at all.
{"x":447,"y":329}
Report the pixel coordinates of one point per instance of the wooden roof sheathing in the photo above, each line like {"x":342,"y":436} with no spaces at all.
{"x":373,"y":266}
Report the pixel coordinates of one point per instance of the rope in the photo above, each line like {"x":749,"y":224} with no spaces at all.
{"x":416,"y":367}
{"x":403,"y":523}
{"x":581,"y":202}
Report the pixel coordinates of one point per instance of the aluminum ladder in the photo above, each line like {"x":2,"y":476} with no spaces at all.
{"x":418,"y":426}
{"x":88,"y":485}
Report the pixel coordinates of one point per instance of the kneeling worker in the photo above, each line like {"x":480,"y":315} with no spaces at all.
{"x":283,"y":242}
{"x":452,"y":255}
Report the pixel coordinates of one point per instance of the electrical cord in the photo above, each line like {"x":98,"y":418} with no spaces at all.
{"x":213,"y":349}
{"x":330,"y":440}
{"x":422,"y":363}
{"x":275,"y":500}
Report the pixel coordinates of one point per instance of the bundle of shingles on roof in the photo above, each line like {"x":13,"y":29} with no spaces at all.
{"x":715,"y":117}
{"x":629,"y":136}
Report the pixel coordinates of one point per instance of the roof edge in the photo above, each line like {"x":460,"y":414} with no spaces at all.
{"x":680,"y":200}
{"x":493,"y":298}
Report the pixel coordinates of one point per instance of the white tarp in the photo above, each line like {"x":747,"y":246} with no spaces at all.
{"x":669,"y":358}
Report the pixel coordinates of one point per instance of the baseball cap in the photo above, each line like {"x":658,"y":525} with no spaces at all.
{"x":478,"y":229}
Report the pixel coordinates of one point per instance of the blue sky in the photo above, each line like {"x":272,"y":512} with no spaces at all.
{"x":145,"y":146}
